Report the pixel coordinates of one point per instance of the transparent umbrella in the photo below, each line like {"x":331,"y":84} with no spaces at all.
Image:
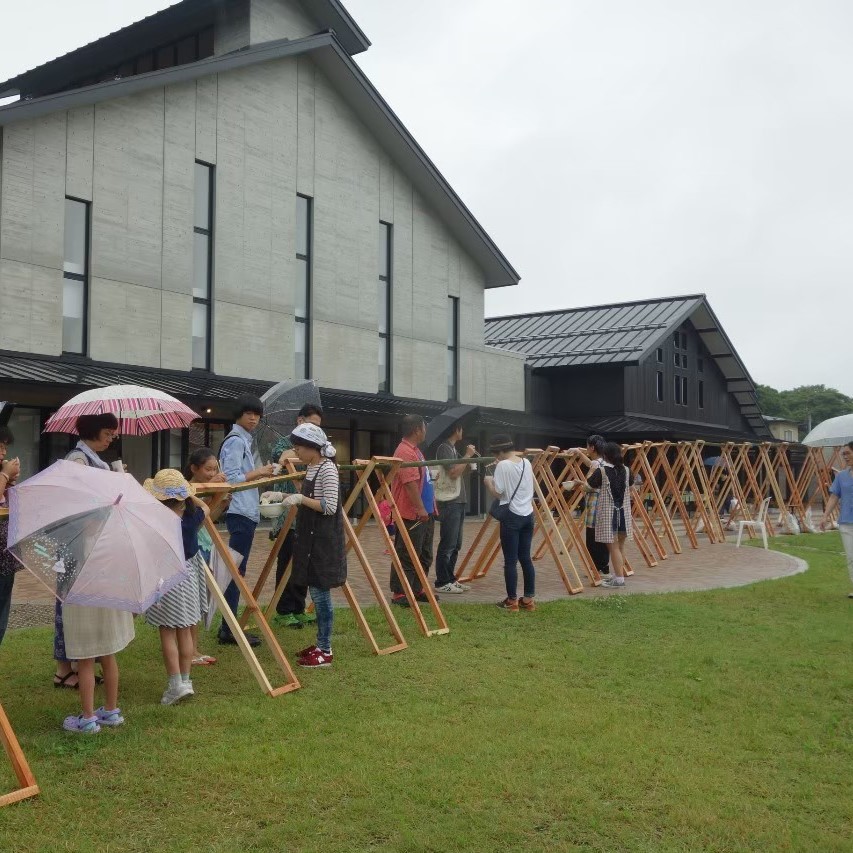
{"x":281,"y":406}
{"x":95,"y":538}
{"x":831,"y":433}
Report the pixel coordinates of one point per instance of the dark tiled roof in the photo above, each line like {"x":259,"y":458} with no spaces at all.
{"x":600,"y":334}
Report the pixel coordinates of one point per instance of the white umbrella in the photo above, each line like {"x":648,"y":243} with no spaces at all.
{"x":831,"y":433}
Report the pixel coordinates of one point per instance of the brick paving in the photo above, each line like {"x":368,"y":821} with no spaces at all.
{"x":708,"y":567}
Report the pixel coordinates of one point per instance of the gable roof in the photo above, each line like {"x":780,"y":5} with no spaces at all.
{"x":624,"y":333}
{"x":169,"y":24}
{"x":620,"y":333}
{"x":350,"y":81}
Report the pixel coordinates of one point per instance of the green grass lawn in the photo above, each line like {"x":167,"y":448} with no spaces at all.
{"x":692,"y":721}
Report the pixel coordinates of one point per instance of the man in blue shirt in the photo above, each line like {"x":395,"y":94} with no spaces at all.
{"x":841,"y":492}
{"x":240,"y":464}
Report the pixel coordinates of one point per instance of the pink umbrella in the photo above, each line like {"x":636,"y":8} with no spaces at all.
{"x":95,"y":538}
{"x":139,"y":410}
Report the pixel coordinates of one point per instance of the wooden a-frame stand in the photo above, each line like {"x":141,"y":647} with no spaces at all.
{"x":352,"y":544}
{"x":385,"y":469}
{"x":254,"y":610}
{"x":485,"y":548}
{"x":26,"y":780}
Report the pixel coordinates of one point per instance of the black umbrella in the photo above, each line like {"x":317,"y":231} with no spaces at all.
{"x":441,"y":426}
{"x":281,"y":406}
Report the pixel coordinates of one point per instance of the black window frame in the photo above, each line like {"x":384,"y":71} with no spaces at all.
{"x":660,"y":355}
{"x":309,"y":280}
{"x":384,"y":386}
{"x":676,"y":390}
{"x":659,"y":385}
{"x":700,"y":393}
{"x":453,"y":349}
{"x":208,"y":232}
{"x":84,"y":278}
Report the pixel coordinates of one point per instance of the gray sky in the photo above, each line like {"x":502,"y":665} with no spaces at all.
{"x":619,"y":150}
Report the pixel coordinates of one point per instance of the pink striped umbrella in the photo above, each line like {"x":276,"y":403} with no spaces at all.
{"x":139,"y":410}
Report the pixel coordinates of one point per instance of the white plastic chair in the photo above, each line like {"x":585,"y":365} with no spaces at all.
{"x":757,"y":524}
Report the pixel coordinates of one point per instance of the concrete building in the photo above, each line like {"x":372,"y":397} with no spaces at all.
{"x":216,"y":198}
{"x":783,"y":429}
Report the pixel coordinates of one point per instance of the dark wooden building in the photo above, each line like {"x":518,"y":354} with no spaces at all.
{"x":655,"y":369}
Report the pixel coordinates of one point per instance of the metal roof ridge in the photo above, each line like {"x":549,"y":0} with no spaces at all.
{"x":164,"y":76}
{"x":338,"y":9}
{"x":88,"y":44}
{"x":651,"y":301}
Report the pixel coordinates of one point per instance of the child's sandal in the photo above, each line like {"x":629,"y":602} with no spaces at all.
{"x":80,"y":725}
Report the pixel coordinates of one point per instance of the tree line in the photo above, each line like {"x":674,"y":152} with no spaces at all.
{"x":807,"y":405}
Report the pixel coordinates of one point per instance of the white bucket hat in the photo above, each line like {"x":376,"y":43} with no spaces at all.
{"x":312,"y":435}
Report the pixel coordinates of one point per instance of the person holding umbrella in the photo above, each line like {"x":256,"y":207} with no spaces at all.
{"x":107,"y":549}
{"x":841,"y":494}
{"x":97,"y":433}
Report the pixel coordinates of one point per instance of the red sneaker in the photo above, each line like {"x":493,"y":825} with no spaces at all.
{"x":302,"y":652}
{"x":315,"y":659}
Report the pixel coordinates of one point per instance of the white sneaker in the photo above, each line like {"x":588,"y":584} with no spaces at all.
{"x":463,"y":586}
{"x":451,"y":588}
{"x":182,"y":691}
{"x":613,"y":582}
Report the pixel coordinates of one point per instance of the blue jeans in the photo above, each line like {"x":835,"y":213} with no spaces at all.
{"x":6,"y":584}
{"x":322,"y":599}
{"x":242,"y":532}
{"x":516,"y":540}
{"x":451,"y":516}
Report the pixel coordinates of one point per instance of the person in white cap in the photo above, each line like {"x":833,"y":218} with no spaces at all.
{"x":319,"y":555}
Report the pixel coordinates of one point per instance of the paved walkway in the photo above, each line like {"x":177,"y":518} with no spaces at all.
{"x":708,"y":567}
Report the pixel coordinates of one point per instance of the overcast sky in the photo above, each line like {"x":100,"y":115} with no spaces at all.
{"x":619,"y":149}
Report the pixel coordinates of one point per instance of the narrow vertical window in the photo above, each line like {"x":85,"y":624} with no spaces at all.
{"x":453,"y":348}
{"x":684,"y":397}
{"x":677,"y":390}
{"x":700,"y":393}
{"x":75,"y":283}
{"x":384,"y":306}
{"x":700,"y":365}
{"x":660,"y":355}
{"x":302,"y":296}
{"x":659,"y":376}
{"x":202,"y":265}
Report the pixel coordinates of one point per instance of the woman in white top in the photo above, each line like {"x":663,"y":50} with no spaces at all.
{"x":511,"y":484}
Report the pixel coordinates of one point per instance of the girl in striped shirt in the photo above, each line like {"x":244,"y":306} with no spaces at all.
{"x":319,"y":557}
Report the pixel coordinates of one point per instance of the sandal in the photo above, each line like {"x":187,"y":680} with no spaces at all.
{"x":61,"y":681}
{"x":204,"y":660}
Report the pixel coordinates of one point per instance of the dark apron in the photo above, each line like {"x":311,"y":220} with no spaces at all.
{"x":319,"y":556}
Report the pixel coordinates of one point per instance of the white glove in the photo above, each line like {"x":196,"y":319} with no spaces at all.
{"x":292,"y":500}
{"x":569,"y":485}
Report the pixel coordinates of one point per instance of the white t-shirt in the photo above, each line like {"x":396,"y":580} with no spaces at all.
{"x":507,"y":473}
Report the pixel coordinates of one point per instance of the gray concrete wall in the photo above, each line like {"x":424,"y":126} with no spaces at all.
{"x":240,"y":23}
{"x":271,"y":130}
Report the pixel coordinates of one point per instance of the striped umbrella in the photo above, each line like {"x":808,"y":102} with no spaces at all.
{"x":139,"y":410}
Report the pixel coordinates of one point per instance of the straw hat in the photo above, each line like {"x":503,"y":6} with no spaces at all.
{"x":169,"y":484}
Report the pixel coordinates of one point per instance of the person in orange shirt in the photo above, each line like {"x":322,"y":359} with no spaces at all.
{"x":408,"y":491}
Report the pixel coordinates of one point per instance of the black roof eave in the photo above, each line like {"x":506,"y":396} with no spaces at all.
{"x":355,"y":87}
{"x":173,"y":22}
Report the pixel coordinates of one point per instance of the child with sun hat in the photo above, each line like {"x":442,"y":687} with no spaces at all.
{"x":179,"y":610}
